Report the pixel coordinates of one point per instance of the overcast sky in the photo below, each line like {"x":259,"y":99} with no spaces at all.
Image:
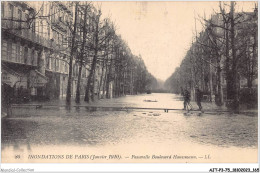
{"x":161,"y":32}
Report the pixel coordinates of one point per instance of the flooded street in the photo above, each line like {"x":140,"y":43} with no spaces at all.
{"x":223,"y":136}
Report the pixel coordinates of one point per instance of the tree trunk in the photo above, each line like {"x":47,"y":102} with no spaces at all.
{"x":210,"y":81}
{"x":109,"y":78}
{"x":117,"y":74}
{"x":91,"y":77}
{"x":92,"y":87}
{"x":193,"y":77}
{"x":77,"y":99}
{"x":87,"y":94}
{"x":249,"y":69}
{"x":68,"y":97}
{"x":219,"y":84}
{"x":253,"y":61}
{"x":101,"y":79}
{"x":105,"y":77}
{"x":123,"y":83}
{"x":234,"y":61}
{"x":81,"y":56}
{"x":104,"y":84}
{"x":228,"y":73}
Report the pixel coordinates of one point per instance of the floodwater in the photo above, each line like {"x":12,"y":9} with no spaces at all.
{"x":134,"y":135}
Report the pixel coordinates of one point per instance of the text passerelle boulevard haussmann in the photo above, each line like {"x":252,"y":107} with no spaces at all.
{"x":162,"y":157}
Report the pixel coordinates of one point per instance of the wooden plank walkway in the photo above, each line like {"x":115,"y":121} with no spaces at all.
{"x":108,"y":108}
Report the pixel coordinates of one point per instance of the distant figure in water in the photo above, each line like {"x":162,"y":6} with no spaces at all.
{"x":198,"y":96}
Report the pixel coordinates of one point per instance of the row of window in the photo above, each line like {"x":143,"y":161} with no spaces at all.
{"x":9,"y":11}
{"x":56,"y":65}
{"x":17,"y":53}
{"x":58,"y":14}
{"x":59,"y":65}
{"x":16,"y":15}
{"x":60,"y":39}
{"x":14,"y":52}
{"x":17,"y":18}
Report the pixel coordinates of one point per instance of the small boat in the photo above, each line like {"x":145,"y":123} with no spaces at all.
{"x":150,"y":100}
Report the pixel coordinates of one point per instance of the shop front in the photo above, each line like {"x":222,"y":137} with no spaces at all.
{"x":14,"y":86}
{"x":20,"y":85}
{"x":37,"y":85}
{"x":53,"y":85}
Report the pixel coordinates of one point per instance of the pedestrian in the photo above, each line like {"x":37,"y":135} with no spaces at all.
{"x":198,"y":96}
{"x":187,"y":100}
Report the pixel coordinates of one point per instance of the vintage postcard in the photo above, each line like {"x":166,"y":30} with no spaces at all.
{"x":129,"y":82}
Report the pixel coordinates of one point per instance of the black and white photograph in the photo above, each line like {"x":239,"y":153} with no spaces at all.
{"x":129,"y":82}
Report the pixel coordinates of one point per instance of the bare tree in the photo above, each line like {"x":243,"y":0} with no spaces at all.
{"x":227,"y":48}
{"x":83,"y":50}
{"x":68,"y":96}
{"x":99,"y":39}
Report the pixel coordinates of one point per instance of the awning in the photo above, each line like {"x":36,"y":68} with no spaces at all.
{"x":37,"y":79}
{"x":11,"y":77}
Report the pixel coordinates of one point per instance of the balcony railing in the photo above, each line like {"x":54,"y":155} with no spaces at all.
{"x":16,"y":28}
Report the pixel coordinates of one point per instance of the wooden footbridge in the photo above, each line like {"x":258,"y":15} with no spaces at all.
{"x":101,"y":108}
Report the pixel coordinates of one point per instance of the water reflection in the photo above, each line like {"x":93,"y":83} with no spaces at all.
{"x":152,"y":127}
{"x":14,"y":133}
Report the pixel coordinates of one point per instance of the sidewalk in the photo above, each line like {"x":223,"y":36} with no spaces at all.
{"x":207,"y":106}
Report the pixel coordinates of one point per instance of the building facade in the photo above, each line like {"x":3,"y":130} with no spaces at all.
{"x":35,"y":50}
{"x":22,"y":53}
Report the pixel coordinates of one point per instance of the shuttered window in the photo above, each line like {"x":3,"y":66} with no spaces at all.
{"x":29,"y":59}
{"x":9,"y":50}
{"x":4,"y":50}
{"x":36,"y":56}
{"x":25,"y":55}
{"x":32,"y":57}
{"x":26,"y":23}
{"x":57,"y":65}
{"x":21,"y":54}
{"x":20,"y":19}
{"x":11,"y":15}
{"x":3,"y":10}
{"x":18,"y":53}
{"x":53,"y":64}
